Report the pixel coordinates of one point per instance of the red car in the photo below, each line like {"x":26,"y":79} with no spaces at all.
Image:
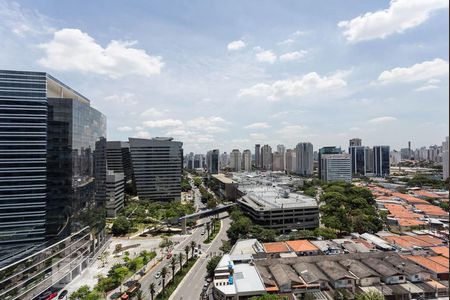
{"x":51,"y":296}
{"x":169,"y":255}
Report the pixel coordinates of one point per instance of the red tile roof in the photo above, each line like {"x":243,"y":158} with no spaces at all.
{"x":276,"y":247}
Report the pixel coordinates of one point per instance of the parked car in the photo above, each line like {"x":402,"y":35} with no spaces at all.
{"x":51,"y":296}
{"x":169,"y":255}
{"x":157,"y":275}
{"x":62,"y":294}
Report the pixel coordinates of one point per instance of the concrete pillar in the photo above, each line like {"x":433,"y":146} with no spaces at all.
{"x":183,"y":226}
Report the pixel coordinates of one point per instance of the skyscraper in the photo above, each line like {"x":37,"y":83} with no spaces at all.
{"x":282,"y":150}
{"x":247,"y":160}
{"x":224,"y":160}
{"x":157,"y":166}
{"x":381,"y":161}
{"x":119,"y":158}
{"x":23,"y":166}
{"x":266,"y":157}
{"x":368,"y":157}
{"x":235,"y":160}
{"x":277,"y":161}
{"x":212,"y":161}
{"x":305,"y":160}
{"x":291,"y":161}
{"x":258,"y":156}
{"x":325,"y":150}
{"x":445,"y":159}
{"x":336,"y":167}
{"x":355,"y":142}
{"x":358,"y":157}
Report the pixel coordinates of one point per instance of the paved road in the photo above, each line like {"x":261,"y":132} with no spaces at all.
{"x":191,"y":287}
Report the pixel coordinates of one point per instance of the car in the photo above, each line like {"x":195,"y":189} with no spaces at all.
{"x":203,"y":232}
{"x":206,"y":284}
{"x":44,"y":295}
{"x":62,"y":294}
{"x":169,"y":255}
{"x":51,"y":296}
{"x":157,"y":275}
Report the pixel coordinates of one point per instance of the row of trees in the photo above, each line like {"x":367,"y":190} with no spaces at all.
{"x":347,"y":208}
{"x":242,"y":227}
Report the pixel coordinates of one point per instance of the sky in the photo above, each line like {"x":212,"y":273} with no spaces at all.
{"x":229,"y":74}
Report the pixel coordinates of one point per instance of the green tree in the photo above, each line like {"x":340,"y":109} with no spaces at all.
{"x":269,"y":297}
{"x":193,"y":244}
{"x":163,"y":275}
{"x":173,"y":264}
{"x":152,"y":290}
{"x":371,"y":295}
{"x":180,"y":260}
{"x":208,"y":228}
{"x":121,"y":226}
{"x":326,"y":233}
{"x":186,"y":250}
{"x":212,"y":264}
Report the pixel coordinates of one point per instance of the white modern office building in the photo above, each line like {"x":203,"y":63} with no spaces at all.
{"x":336,"y":167}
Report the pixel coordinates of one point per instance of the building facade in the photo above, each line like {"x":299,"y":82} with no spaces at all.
{"x":325,"y":150}
{"x":282,"y":150}
{"x":277,"y":161}
{"x":445,"y":160}
{"x":115,"y":193}
{"x":119,"y":158}
{"x":247,"y":160}
{"x":266,"y":157}
{"x":381,"y":161}
{"x":305,"y":159}
{"x":358,"y":157}
{"x":258,"y":156}
{"x":235,"y":160}
{"x":291,"y":161}
{"x":157,"y":166}
{"x":336,"y":167}
{"x":212,"y":161}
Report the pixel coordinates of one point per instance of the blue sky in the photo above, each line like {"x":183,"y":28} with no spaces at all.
{"x":229,"y":74}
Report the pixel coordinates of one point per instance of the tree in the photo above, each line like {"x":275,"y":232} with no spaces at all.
{"x":180,"y":260}
{"x":104,"y":258}
{"x":193,"y":244}
{"x":139,"y":295}
{"x":326,"y":233}
{"x":212,"y":264}
{"x":85,"y":293}
{"x":269,"y":297}
{"x":371,"y":295}
{"x":173,"y":264}
{"x":208,"y":228}
{"x":121,"y":226}
{"x":152,"y":289}
{"x":163,"y":275}
{"x":186,"y":250}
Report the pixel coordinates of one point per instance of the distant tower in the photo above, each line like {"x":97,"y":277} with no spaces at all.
{"x":409,"y":150}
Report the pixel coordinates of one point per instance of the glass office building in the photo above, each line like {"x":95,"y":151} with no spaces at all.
{"x":23,"y":167}
{"x":381,"y":161}
{"x":358,"y":156}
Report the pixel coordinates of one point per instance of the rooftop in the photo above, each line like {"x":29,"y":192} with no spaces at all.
{"x":275,"y":247}
{"x":301,"y":245}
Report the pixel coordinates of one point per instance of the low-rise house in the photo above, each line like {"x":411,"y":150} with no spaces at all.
{"x":286,"y":278}
{"x":436,"y":269}
{"x":365,"y":276}
{"x":248,"y":247}
{"x":273,"y":250}
{"x":340,"y":278}
{"x":413,"y":272}
{"x":327,"y":247}
{"x":440,"y":250}
{"x":312,"y":275}
{"x":388,"y":273}
{"x":303,"y":247}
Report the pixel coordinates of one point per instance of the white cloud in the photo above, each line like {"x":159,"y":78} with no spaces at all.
{"x":211,"y":124}
{"x":258,"y":136}
{"x":258,"y":125}
{"x":434,"y":81}
{"x":401,"y":15}
{"x":287,"y":42}
{"x":354,"y":129}
{"x":299,"y":33}
{"x":73,"y":50}
{"x":307,"y":84}
{"x":426,"y":88}
{"x":122,"y":99}
{"x":162,"y":123}
{"x":421,"y":71}
{"x":143,"y":134}
{"x":152,"y":112}
{"x":296,"y":55}
{"x":292,"y":131}
{"x":266,"y":56}
{"x":21,"y":21}
{"x":236,"y":45}
{"x":382,"y":120}
{"x":124,"y":128}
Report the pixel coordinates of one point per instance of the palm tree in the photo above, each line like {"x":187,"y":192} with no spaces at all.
{"x":208,"y":228}
{"x":193,"y":244}
{"x":139,"y":295}
{"x":173,"y":264}
{"x":180,"y":259}
{"x":152,"y":289}
{"x":163,"y":275}
{"x":186,"y":250}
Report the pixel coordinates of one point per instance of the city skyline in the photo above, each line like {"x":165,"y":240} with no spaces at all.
{"x":306,"y":72}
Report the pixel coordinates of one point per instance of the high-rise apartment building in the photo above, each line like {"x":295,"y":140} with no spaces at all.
{"x":291,"y":161}
{"x":445,"y":159}
{"x":305,"y":159}
{"x":157,"y":166}
{"x":115,"y":193}
{"x":247,"y":160}
{"x":277,"y":161}
{"x":266,"y":157}
{"x":235,"y":160}
{"x":282,"y":150}
{"x":381,"y":161}
{"x":395,"y":158}
{"x":355,"y":142}
{"x":224,"y":161}
{"x":258,"y":156}
{"x":212,"y":161}
{"x":325,"y":150}
{"x":336,"y":167}
{"x":368,"y":157}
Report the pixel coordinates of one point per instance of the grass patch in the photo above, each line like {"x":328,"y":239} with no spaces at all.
{"x":213,"y":234}
{"x":172,"y":285}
